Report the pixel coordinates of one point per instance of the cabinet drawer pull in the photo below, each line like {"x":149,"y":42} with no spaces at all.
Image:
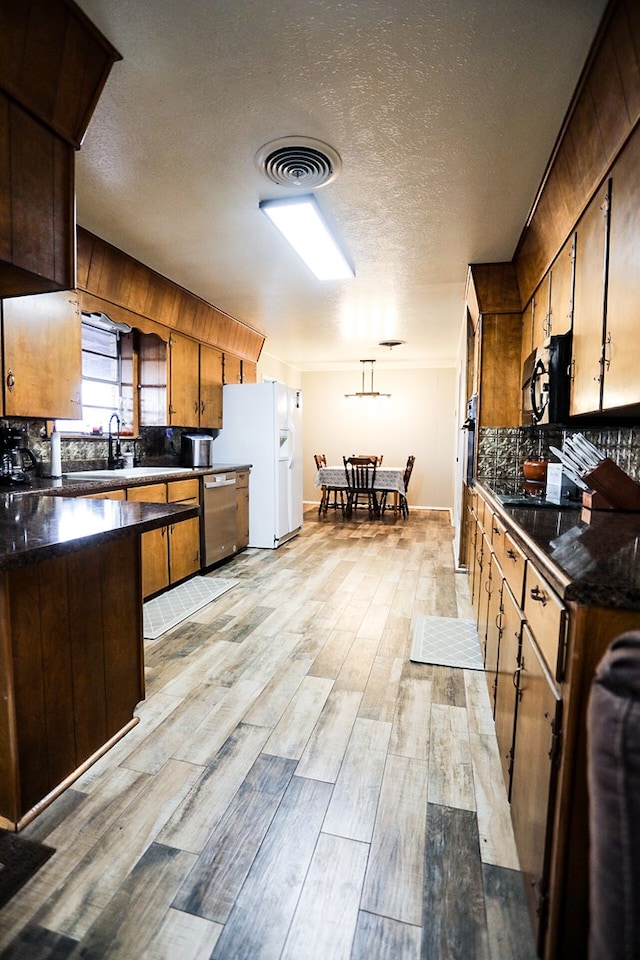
{"x":539,"y":595}
{"x":512,"y":555}
{"x":497,"y":531}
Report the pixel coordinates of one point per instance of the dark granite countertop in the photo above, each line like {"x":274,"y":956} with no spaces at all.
{"x":36,"y":528}
{"x":75,"y":486}
{"x":591,"y":557}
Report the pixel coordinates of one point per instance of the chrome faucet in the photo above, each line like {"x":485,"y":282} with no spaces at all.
{"x":115,"y":458}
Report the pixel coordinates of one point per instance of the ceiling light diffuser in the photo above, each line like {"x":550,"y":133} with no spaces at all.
{"x":301,"y":223}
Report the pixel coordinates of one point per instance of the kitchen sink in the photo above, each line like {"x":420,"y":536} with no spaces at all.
{"x":124,"y":473}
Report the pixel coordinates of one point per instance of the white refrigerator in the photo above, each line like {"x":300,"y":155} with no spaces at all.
{"x":262,"y":426}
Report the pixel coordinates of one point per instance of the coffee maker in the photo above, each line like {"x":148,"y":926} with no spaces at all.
{"x":17,"y":461}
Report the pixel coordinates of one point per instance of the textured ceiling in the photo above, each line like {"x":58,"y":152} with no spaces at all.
{"x":444,"y":113}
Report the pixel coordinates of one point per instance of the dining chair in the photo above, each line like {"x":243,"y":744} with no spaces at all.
{"x":401,"y":503}
{"x":369,"y":456}
{"x":326,"y":492}
{"x":408,"y":470}
{"x":360,"y":473}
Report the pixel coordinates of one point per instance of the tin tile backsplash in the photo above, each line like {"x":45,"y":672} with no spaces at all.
{"x":503,"y":450}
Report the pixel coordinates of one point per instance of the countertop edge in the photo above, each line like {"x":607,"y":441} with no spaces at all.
{"x":75,"y":486}
{"x":36,"y":544}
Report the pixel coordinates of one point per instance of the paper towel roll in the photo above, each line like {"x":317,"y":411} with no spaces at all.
{"x":56,"y":455}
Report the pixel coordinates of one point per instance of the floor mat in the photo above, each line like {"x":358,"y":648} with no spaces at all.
{"x":19,"y":860}
{"x":164,"y":612}
{"x":447,"y":642}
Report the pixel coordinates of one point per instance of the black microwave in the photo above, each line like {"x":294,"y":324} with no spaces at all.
{"x":546,"y":382}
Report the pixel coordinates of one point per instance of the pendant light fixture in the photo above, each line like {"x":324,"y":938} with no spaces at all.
{"x":367,"y":393}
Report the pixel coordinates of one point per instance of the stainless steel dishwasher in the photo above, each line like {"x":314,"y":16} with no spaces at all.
{"x":219,"y":516}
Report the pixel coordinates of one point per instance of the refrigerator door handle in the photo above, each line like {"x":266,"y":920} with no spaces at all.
{"x":292,"y":447}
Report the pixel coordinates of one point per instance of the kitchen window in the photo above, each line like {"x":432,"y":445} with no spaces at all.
{"x":107,"y":379}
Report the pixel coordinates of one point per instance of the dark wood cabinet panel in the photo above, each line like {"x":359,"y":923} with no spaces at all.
{"x":37,"y":251}
{"x":53,"y":66}
{"x":605,"y":111}
{"x":54,"y":62}
{"x":108,"y":273}
{"x":71,"y":667}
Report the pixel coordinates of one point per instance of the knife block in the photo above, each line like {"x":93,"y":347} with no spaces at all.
{"x":611,"y":488}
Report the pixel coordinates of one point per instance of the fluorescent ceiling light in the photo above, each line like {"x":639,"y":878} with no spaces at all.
{"x":301,"y":223}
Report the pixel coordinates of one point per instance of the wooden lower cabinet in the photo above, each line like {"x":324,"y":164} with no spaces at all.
{"x":541,"y":654}
{"x":173,"y":552}
{"x":184,"y":537}
{"x":533,"y":779}
{"x":71,"y":668}
{"x":242,"y":509}
{"x":154,"y":544}
{"x":505,"y":680}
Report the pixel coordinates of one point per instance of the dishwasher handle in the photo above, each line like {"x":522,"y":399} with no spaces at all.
{"x":212,"y":484}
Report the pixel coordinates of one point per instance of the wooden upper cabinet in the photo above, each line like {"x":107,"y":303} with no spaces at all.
{"x":42,"y":356}
{"x":588,"y":310}
{"x":621,"y":382}
{"x":184,"y":409}
{"x":232,"y":369}
{"x":249,"y":371}
{"x":53,"y":66}
{"x":210,"y":386}
{"x":541,"y":308}
{"x":151,"y":352}
{"x":561,"y":289}
{"x":54,"y":62}
{"x":36,"y":205}
{"x":499,"y":390}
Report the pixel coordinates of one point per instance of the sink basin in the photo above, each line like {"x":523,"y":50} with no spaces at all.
{"x":124,"y":473}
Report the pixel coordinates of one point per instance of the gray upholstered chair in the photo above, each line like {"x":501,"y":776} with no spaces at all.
{"x":613,"y":773}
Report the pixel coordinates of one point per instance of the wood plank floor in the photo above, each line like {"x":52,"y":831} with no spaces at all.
{"x":296,"y":788}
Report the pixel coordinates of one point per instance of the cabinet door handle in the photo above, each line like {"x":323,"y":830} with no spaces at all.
{"x":195,"y":407}
{"x":11,"y":380}
{"x":538,"y":595}
{"x":607,"y":359}
{"x":202,"y":406}
{"x":511,"y":555}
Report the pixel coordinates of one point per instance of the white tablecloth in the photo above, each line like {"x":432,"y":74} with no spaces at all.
{"x":387,"y":478}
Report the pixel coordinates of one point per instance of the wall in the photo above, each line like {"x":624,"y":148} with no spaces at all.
{"x":418,"y":419}
{"x":271,"y":369}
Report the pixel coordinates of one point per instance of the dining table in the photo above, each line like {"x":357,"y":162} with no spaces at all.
{"x":390,"y":479}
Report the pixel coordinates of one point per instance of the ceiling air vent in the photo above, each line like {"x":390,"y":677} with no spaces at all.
{"x":298,"y":162}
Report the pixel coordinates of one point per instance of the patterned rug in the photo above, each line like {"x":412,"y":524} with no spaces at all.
{"x":164,"y":612}
{"x":19,"y":860}
{"x":447,"y":642}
